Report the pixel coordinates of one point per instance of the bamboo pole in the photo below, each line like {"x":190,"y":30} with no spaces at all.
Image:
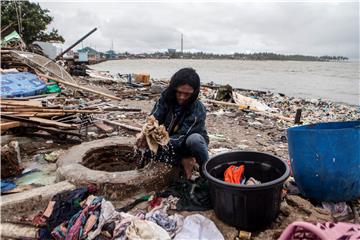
{"x":11,"y":109}
{"x":80,"y":87}
{"x":27,"y":103}
{"x":121,"y":125}
{"x":33,"y":114}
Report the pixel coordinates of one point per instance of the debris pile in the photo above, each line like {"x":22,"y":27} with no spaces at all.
{"x":57,"y":110}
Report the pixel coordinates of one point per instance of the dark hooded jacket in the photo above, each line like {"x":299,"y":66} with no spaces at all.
{"x":181,"y":121}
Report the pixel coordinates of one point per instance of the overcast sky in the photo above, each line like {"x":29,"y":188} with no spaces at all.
{"x":318,"y":28}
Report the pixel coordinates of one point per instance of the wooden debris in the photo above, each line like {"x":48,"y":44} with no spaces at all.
{"x":53,"y":123}
{"x":4,"y":126}
{"x":58,"y":132}
{"x":42,"y":121}
{"x":137,"y":129}
{"x":298,"y":116}
{"x":103,"y":127}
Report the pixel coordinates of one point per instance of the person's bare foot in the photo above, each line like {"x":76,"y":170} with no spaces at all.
{"x":188,"y":164}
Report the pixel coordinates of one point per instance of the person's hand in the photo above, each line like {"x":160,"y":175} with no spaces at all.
{"x":141,"y":142}
{"x":188,"y":164}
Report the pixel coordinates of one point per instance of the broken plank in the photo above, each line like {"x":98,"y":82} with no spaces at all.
{"x":8,"y":125}
{"x":33,"y":114}
{"x":104,"y":127}
{"x":42,"y":96}
{"x":52,"y":122}
{"x":20,"y":103}
{"x":36,"y":120}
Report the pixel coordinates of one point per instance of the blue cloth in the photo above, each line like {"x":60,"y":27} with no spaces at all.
{"x":21,"y":84}
{"x":197,"y":147}
{"x":7,"y":186}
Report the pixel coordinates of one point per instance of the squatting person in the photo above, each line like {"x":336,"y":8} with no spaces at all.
{"x":183,"y":115}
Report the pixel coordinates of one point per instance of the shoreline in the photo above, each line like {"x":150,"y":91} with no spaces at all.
{"x":335,"y":82}
{"x":225,"y":59}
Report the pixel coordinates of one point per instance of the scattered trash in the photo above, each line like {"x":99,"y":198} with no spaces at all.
{"x":35,"y":177}
{"x":53,"y":156}
{"x":39,"y":158}
{"x":291,"y":187}
{"x":244,"y":235}
{"x":337,"y":209}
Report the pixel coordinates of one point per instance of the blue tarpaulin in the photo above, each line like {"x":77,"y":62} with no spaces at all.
{"x":7,"y":186}
{"x":21,"y":84}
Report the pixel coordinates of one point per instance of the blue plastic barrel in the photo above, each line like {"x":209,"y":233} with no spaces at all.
{"x":325,"y":160}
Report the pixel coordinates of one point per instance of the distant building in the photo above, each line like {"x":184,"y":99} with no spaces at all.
{"x":83,"y":57}
{"x":88,"y":54}
{"x":110,"y":54}
{"x":171,"y":50}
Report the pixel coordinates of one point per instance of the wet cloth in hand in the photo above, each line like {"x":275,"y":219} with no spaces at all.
{"x":193,"y":195}
{"x":154,"y":133}
{"x":234,"y":174}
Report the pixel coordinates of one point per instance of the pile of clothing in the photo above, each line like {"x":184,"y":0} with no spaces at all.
{"x":235,"y":174}
{"x":78,"y":214}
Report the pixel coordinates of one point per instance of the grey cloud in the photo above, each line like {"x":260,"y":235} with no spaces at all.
{"x":303,"y":28}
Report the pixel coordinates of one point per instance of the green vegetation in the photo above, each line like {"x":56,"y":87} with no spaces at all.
{"x":30,"y":20}
{"x":243,"y":56}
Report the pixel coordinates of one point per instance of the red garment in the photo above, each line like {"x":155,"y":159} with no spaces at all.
{"x":234,"y":174}
{"x":156,"y":201}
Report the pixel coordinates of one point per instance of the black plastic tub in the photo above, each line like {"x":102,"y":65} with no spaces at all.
{"x":246,"y":207}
